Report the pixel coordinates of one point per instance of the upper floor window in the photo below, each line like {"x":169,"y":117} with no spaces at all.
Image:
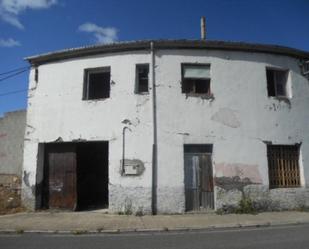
{"x":196,"y":79}
{"x":96,"y":83}
{"x":142,"y":78}
{"x":277,"y":82}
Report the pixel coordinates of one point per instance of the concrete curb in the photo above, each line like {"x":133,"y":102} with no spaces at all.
{"x":150,"y":230}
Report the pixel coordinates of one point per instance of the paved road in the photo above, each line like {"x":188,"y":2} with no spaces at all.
{"x":295,"y":237}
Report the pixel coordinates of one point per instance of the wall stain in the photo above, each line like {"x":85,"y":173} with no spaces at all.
{"x":26,"y":178}
{"x":226,"y":116}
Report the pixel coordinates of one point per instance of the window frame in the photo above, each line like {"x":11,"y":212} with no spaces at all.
{"x":136,"y":90}
{"x":209,"y":93}
{"x":287,"y":88}
{"x":284,"y":169}
{"x":87,"y":72}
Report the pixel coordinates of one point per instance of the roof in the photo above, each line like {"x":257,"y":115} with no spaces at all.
{"x":165,"y":44}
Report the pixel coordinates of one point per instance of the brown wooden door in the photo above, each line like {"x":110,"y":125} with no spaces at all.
{"x":62,"y":177}
{"x":199,"y":191}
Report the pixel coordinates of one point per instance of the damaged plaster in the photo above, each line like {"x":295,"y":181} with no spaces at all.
{"x":226,"y":116}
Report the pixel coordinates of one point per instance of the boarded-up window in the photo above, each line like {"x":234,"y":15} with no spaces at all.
{"x":196,"y":79}
{"x":277,"y":82}
{"x":283,"y":166}
{"x":96,"y":83}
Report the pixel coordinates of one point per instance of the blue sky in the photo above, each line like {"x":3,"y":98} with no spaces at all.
{"x":29,"y":27}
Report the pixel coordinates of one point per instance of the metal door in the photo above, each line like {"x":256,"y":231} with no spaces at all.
{"x":198,"y":181}
{"x":62,"y":177}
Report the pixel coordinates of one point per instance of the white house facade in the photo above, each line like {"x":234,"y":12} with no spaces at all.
{"x":168,"y":127}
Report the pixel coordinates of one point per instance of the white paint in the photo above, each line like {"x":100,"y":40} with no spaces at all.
{"x":238,"y":83}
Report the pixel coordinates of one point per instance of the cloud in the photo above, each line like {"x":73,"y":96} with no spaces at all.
{"x":101,"y":34}
{"x":9,"y":43}
{"x":11,"y":9}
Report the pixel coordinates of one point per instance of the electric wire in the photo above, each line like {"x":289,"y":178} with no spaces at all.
{"x":13,"y":92}
{"x":13,"y":75}
{"x":15,"y":70}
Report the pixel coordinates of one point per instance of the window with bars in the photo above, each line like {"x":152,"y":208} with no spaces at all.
{"x":283,"y":166}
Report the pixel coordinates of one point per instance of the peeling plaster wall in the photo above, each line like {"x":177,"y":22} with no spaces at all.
{"x":236,"y":121}
{"x":12,"y":130}
{"x":56,"y":110}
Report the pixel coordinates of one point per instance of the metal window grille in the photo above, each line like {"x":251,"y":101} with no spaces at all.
{"x":283,"y":166}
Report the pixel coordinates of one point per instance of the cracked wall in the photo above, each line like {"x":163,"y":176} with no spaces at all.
{"x":236,"y":121}
{"x":69,"y":118}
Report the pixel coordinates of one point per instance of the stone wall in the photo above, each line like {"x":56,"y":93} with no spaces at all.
{"x":12,"y":131}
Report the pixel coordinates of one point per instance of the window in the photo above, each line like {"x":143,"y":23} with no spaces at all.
{"x":283,"y":166}
{"x":36,"y":75}
{"x":142,"y":72}
{"x":277,"y":82}
{"x":96,"y":83}
{"x":196,"y":79}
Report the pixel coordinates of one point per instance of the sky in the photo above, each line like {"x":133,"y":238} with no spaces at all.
{"x":31,"y":27}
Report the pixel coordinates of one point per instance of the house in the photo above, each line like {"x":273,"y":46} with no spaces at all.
{"x":167,"y":126}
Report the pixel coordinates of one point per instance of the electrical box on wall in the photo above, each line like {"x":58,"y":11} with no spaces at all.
{"x":132,"y":167}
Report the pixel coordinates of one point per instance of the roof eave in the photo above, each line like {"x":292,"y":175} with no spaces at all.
{"x":166,"y":44}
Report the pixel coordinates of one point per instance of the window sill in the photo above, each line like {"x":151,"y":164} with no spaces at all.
{"x":286,"y":188}
{"x":201,"y":95}
{"x":93,"y":100}
{"x":141,"y":93}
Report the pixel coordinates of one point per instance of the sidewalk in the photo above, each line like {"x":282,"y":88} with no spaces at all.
{"x":95,"y":221}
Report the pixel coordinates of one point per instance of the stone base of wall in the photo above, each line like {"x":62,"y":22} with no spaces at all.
{"x":10,"y":189}
{"x":129,"y":200}
{"x":170,"y":200}
{"x":263,"y":198}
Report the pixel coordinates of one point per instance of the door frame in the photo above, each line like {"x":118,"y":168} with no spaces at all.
{"x":198,"y":150}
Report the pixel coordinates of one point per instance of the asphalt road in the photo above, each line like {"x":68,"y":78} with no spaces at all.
{"x":283,"y":237}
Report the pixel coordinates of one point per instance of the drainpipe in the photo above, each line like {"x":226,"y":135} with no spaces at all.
{"x":154,"y":146}
{"x":123,"y":148}
{"x":203,"y":28}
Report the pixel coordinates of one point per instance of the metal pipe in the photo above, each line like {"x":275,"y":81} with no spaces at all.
{"x":123,"y":148}
{"x":203,"y":28}
{"x":154,"y":146}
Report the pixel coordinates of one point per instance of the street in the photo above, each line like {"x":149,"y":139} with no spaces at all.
{"x":283,"y":237}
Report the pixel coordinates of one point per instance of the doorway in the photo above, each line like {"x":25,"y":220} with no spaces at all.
{"x":199,"y":189}
{"x":75,"y":176}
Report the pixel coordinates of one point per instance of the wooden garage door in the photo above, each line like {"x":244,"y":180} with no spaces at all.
{"x":62,"y":177}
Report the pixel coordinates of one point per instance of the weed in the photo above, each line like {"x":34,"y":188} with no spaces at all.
{"x":139,"y":212}
{"x":79,"y":232}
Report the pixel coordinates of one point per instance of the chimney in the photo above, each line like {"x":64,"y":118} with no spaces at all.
{"x":203,"y":28}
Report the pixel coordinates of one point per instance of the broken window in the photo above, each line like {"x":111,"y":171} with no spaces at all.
{"x":277,"y":82}
{"x":96,"y":83}
{"x":142,"y":73}
{"x":283,"y":166}
{"x":196,"y":79}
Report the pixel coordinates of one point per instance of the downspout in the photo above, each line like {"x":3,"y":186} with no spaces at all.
{"x":123,"y":148}
{"x":154,"y":146}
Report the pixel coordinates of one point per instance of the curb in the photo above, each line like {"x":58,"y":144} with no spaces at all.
{"x":149,"y":230}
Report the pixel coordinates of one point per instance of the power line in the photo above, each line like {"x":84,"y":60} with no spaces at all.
{"x":15,"y":74}
{"x":13,"y":92}
{"x":15,"y":70}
